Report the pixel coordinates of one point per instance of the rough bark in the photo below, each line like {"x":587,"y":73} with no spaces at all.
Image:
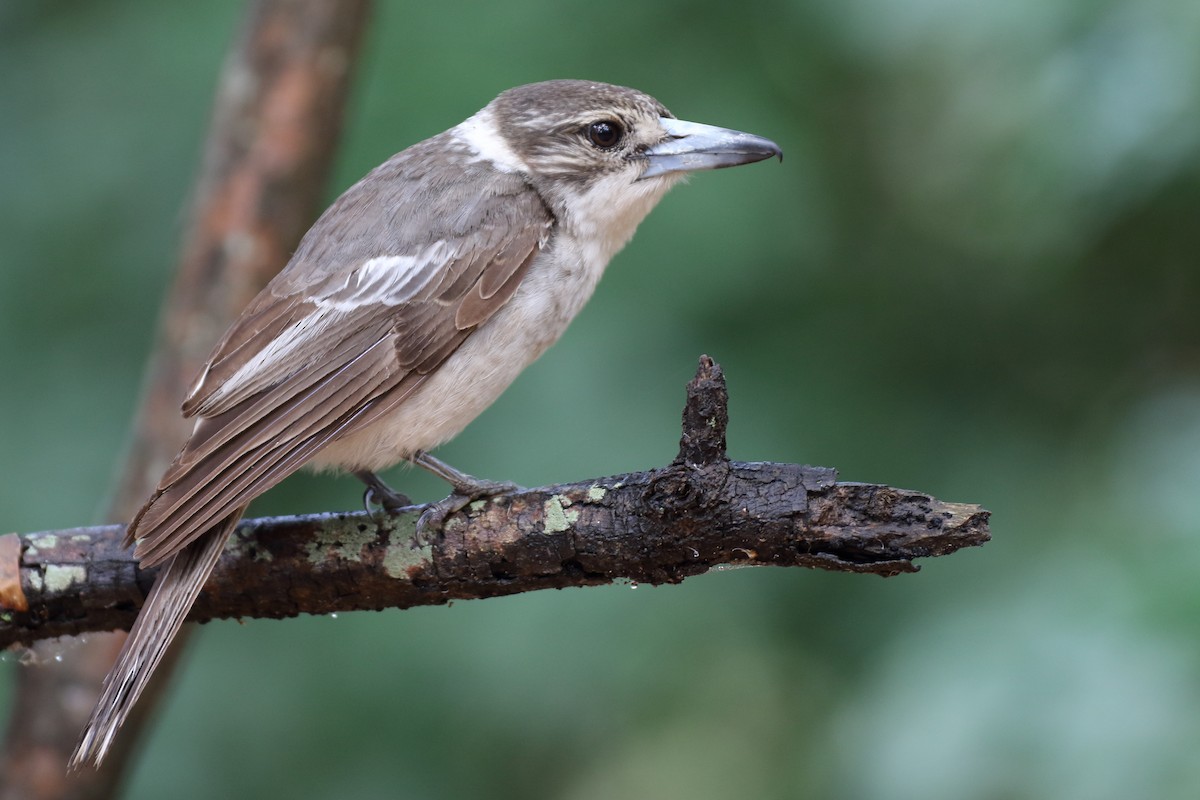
{"x":660,"y":526}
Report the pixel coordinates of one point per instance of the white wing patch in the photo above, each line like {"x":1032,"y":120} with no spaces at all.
{"x":389,"y":280}
{"x":482,"y":137}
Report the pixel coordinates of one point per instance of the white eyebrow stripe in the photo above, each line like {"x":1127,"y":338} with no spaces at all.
{"x":480,"y":135}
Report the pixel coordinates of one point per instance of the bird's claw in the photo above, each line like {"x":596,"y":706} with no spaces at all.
{"x":379,"y":494}
{"x":434,"y":517}
{"x":390,"y":503}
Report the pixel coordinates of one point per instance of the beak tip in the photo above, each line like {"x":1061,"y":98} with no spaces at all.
{"x":770,"y":150}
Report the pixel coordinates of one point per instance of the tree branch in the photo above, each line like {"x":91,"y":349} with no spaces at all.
{"x":658,"y":526}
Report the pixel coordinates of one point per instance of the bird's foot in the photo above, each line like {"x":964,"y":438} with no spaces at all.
{"x":467,"y":489}
{"x":479,"y":489}
{"x":433,"y":518}
{"x":463,"y":484}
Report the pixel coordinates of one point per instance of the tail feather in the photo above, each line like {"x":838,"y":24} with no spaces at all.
{"x":174,"y":592}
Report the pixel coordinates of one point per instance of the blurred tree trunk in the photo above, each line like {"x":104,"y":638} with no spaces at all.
{"x":277,"y":117}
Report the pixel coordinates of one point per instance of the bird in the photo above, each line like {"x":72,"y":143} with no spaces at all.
{"x":414,"y":300}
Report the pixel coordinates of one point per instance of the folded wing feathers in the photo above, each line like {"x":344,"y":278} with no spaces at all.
{"x":263,"y":323}
{"x":495,"y":288}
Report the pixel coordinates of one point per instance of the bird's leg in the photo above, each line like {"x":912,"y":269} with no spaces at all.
{"x":380,"y":493}
{"x":467,"y":488}
{"x":461,"y":482}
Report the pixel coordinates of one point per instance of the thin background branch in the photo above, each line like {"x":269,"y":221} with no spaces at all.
{"x":276,"y":123}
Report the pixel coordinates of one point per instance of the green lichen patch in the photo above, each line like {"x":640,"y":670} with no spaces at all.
{"x":559,"y":518}
{"x":61,"y":578}
{"x":344,"y":540}
{"x":41,"y":541}
{"x":401,"y":556}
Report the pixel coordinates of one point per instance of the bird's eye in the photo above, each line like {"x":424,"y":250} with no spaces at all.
{"x":605,"y":133}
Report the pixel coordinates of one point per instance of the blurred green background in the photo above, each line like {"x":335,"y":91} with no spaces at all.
{"x":976,"y":274}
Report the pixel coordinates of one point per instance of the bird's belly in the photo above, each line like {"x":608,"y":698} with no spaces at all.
{"x":477,"y":373}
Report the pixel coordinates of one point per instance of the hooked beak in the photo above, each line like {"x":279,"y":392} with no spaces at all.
{"x":693,"y":147}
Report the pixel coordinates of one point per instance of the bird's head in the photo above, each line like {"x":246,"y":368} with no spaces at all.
{"x":601,"y":156}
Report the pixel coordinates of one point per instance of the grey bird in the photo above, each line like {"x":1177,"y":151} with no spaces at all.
{"x":406,"y":310}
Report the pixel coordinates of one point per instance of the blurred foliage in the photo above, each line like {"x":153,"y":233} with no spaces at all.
{"x":975,"y":274}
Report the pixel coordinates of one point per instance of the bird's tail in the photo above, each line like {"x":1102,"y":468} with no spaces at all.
{"x":174,"y":591}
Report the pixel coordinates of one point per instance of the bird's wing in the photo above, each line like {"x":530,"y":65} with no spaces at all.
{"x":324,"y":351}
